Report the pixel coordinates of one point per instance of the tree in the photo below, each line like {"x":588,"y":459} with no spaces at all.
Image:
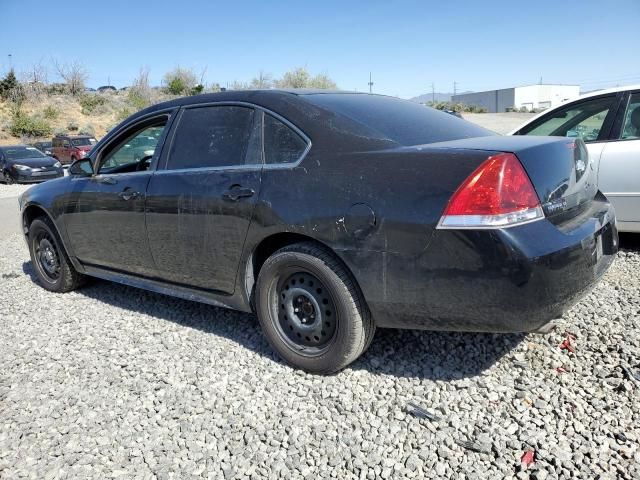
{"x":263,"y":80}
{"x":322,"y":81}
{"x":296,"y":78}
{"x":179,"y":81}
{"x":301,"y":78}
{"x":9,"y":85}
{"x":74,"y":75}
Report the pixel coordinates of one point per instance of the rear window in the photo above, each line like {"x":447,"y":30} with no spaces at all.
{"x":401,"y":121}
{"x":83,"y":142}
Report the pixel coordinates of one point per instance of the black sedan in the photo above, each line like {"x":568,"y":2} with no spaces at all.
{"x":23,"y":164}
{"x":329,"y":214}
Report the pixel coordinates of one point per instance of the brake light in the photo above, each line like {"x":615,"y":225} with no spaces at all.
{"x":497,"y":194}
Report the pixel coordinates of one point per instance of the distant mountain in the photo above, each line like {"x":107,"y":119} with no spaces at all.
{"x":428,"y":97}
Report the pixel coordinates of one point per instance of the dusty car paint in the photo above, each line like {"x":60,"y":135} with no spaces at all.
{"x":374,"y":201}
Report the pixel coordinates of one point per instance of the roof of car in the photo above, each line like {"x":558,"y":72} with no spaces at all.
{"x":74,"y":136}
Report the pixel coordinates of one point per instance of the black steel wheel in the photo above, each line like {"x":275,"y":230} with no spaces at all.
{"x":47,"y":256}
{"x":306,"y":313}
{"x":311,"y":310}
{"x":53,"y":268}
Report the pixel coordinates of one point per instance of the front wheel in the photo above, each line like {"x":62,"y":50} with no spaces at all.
{"x":311,"y":310}
{"x":52,"y":265}
{"x":8,"y":179}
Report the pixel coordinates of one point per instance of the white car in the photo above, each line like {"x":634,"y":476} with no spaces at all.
{"x":609,"y":123}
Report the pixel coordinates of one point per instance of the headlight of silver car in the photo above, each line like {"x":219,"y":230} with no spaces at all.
{"x":22,"y":168}
{"x":57,"y":164}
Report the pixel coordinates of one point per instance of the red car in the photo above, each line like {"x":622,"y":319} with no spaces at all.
{"x":69,"y":148}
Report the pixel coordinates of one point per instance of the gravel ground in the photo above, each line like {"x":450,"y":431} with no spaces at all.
{"x":7,"y":191}
{"x":114,"y":382}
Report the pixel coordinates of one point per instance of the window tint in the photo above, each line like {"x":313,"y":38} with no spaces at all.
{"x":135,"y":150}
{"x":631,"y":126}
{"x":214,"y":137}
{"x":583,"y":120}
{"x":281,"y":143}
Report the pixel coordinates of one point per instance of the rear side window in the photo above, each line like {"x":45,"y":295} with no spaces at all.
{"x":215,"y":136}
{"x":281,"y":143}
{"x":631,"y":126}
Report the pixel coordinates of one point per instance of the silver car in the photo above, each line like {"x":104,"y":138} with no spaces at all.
{"x":609,"y":123}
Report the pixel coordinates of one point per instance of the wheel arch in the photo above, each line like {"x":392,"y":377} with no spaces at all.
{"x":35,"y":210}
{"x":274,"y":242}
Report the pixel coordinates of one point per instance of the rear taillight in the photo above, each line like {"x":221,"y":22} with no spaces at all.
{"x":497,"y":194}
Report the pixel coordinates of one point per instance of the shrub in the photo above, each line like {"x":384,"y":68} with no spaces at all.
{"x":50,"y":112}
{"x":89,"y":103}
{"x":88,"y":130}
{"x":197,"y":89}
{"x":122,"y":114}
{"x":30,"y":126}
{"x":136,"y":100}
{"x":179,"y":81}
{"x":72,"y":126}
{"x":56,"y":89}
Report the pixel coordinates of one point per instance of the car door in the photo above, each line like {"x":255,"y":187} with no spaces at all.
{"x":200,"y":202}
{"x":590,"y":119}
{"x":105,"y":221}
{"x":619,"y":174}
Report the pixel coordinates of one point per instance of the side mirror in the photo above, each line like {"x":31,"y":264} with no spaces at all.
{"x":81,"y":168}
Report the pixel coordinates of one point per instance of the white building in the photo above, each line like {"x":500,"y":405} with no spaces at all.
{"x":538,"y":96}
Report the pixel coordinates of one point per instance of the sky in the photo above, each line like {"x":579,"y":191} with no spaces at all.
{"x":406,"y":45}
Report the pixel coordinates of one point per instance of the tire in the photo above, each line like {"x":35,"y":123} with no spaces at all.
{"x":311,"y":309}
{"x":8,"y":179}
{"x":50,"y":261}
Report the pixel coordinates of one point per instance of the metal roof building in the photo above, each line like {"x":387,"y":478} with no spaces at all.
{"x":539,"y":96}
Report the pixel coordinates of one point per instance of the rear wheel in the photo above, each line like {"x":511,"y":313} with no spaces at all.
{"x":52,"y":265}
{"x":311,"y":310}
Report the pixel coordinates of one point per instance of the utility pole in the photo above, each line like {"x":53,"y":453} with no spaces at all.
{"x":433,"y":94}
{"x":370,"y":84}
{"x":10,"y":63}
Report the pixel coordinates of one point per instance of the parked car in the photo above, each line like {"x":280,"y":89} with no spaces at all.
{"x":609,"y":123}
{"x":330,"y":214}
{"x":453,"y":112}
{"x":44,"y":146}
{"x":69,"y":148}
{"x":25,"y":164}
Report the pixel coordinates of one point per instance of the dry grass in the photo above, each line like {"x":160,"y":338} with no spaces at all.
{"x":68,"y":110}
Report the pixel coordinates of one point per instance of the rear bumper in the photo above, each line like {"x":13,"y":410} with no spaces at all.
{"x":509,"y":280}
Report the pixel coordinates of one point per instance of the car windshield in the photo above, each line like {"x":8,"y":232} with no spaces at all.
{"x":19,"y":153}
{"x":83,"y":142}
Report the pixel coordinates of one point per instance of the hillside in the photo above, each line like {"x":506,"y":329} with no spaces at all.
{"x":93,"y":113}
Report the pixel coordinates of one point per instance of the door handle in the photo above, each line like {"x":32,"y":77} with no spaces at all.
{"x":237,"y":192}
{"x":128,"y":194}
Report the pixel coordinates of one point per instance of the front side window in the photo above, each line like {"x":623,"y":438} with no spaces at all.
{"x":583,"y":120}
{"x":215,"y":136}
{"x":281,"y":143}
{"x":135,"y":151}
{"x":631,"y":125}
